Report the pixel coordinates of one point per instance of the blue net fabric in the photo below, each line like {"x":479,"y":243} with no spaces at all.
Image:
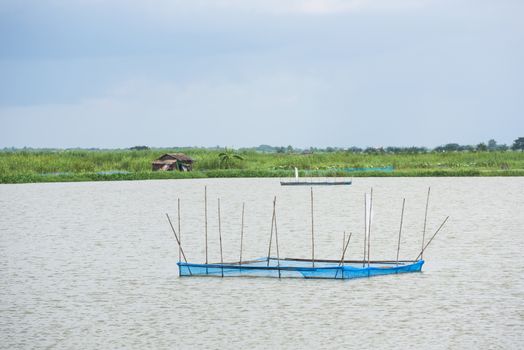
{"x":297,"y":269}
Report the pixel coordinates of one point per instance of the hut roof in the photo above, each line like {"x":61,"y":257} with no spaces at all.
{"x":173,"y":157}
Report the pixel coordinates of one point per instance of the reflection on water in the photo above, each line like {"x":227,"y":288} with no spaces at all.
{"x":93,"y":265}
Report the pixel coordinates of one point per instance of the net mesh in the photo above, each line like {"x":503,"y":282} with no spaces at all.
{"x":290,"y":268}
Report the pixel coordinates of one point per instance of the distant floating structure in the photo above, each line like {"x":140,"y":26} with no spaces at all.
{"x":311,"y":182}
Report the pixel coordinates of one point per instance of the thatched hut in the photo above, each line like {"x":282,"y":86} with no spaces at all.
{"x":173,"y":161}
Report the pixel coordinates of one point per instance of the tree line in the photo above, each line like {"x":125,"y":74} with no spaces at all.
{"x":490,"y":146}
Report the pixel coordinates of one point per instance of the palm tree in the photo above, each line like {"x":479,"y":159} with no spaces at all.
{"x":227,"y":157}
{"x":518,"y":144}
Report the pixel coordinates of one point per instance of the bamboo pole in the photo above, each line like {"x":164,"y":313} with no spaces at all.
{"x":276,"y":235}
{"x":341,"y":263}
{"x":178,"y":241}
{"x":242,"y":233}
{"x":271,"y":235}
{"x":312,"y":232}
{"x":345,"y":249}
{"x":365,"y":229}
{"x":424,"y":230}
{"x":205,"y":218}
{"x":369,"y":224}
{"x":400,"y":229}
{"x":220,"y":238}
{"x":343,"y":241}
{"x":179,"y":232}
{"x":391,"y":262}
{"x":441,"y":225}
{"x":343,"y":245}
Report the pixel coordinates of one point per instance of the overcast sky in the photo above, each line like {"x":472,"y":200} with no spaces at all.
{"x":110,"y":74}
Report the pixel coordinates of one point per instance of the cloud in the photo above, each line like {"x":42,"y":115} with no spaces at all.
{"x":272,"y":7}
{"x":340,"y":6}
{"x":309,"y":72}
{"x":311,"y":6}
{"x":166,"y":113}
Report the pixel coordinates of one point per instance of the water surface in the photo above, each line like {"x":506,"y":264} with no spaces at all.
{"x":93,"y":265}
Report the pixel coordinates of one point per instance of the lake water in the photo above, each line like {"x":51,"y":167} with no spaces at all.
{"x":93,"y":265}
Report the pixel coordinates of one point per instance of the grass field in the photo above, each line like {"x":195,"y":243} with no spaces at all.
{"x":94,"y":165}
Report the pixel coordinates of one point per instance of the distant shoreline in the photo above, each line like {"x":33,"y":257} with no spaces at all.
{"x":127,"y":165}
{"x":84,"y":177}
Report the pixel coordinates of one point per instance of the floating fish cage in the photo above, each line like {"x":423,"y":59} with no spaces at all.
{"x":300,"y":268}
{"x":271,"y":266}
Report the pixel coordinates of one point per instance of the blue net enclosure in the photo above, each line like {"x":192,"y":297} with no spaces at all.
{"x":300,"y":268}
{"x":271,"y":266}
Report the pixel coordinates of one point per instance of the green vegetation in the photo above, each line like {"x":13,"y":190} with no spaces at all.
{"x":228,"y":157}
{"x":21,"y":166}
{"x":518,"y":144}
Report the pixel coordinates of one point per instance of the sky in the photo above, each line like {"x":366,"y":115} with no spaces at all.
{"x":240,"y":73}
